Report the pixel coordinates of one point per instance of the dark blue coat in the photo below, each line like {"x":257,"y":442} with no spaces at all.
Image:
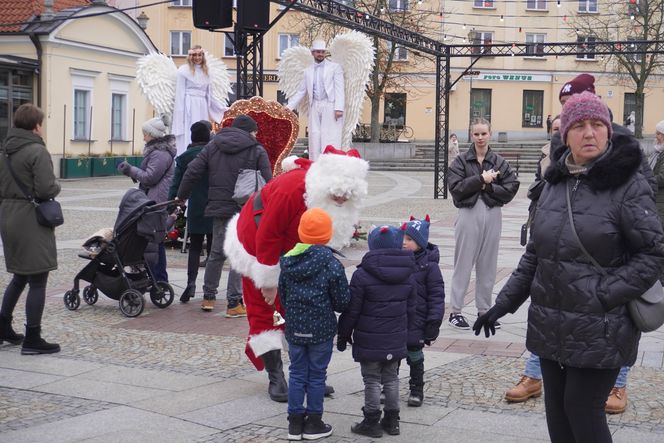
{"x":312,"y":285}
{"x":377,"y":317}
{"x":197,"y":222}
{"x":430,"y":300}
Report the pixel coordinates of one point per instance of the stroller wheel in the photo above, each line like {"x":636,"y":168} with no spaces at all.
{"x":72,"y":300}
{"x":90,"y":295}
{"x":131,"y":303}
{"x":162,"y":294}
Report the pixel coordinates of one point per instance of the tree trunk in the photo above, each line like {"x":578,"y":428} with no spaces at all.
{"x":375,"y":97}
{"x":375,"y":118}
{"x":639,"y":99}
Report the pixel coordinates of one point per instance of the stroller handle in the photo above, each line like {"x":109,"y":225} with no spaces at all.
{"x":162,"y":205}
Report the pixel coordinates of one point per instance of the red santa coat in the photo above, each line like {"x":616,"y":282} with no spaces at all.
{"x":254,"y":252}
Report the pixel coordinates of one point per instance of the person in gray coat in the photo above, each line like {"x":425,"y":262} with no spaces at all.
{"x":29,"y":248}
{"x":578,"y":320}
{"x":233,"y":148}
{"x":154,"y":177}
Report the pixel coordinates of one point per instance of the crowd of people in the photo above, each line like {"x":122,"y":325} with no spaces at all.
{"x":595,"y":190}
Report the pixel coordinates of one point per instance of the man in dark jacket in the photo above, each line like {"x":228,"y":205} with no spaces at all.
{"x":232,"y":149}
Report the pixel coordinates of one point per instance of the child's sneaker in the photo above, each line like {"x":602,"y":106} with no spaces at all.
{"x":314,"y":428}
{"x":295,"y":426}
{"x":390,"y":422}
{"x":458,"y":321}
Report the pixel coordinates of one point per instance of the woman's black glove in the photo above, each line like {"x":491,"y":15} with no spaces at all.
{"x":488,"y":320}
{"x":342,"y":341}
{"x":431,"y":331}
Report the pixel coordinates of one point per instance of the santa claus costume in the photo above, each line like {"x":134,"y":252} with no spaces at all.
{"x":266,"y":229}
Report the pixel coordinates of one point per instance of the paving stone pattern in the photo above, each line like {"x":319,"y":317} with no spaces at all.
{"x":21,"y":408}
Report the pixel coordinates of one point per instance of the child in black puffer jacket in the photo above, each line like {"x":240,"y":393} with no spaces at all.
{"x":429,"y":305}
{"x":312,"y":286}
{"x":382,"y":289}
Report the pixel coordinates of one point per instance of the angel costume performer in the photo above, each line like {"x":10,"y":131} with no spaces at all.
{"x":330,"y":91}
{"x":323,"y":84}
{"x":194,"y":101}
{"x":336,"y":183}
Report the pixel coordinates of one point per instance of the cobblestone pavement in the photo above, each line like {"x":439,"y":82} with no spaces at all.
{"x":179,"y":374}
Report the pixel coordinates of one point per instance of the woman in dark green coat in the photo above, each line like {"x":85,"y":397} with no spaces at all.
{"x":198,"y":225}
{"x":30,"y":252}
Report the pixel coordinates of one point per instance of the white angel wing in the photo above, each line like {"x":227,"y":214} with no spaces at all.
{"x":354,"y":51}
{"x":156,"y":75}
{"x":221,"y":81}
{"x":291,"y":72}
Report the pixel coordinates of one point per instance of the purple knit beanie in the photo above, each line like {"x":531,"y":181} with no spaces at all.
{"x":584,"y":106}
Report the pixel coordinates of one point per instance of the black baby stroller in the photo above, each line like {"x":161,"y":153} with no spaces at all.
{"x":117,"y":266}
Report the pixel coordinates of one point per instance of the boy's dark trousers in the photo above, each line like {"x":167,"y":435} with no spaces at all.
{"x":415,"y":361}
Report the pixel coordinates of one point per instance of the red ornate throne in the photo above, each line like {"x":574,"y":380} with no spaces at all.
{"x":278,"y":127}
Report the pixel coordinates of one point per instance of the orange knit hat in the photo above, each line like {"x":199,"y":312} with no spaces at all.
{"x":315,"y":227}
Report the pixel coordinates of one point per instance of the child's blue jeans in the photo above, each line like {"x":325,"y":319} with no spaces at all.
{"x":307,"y":372}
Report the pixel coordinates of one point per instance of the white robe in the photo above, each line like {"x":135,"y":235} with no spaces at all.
{"x":193,"y":102}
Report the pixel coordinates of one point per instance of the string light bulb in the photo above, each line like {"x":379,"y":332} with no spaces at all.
{"x":558,"y":4}
{"x":464,"y":26}
{"x":501,"y":18}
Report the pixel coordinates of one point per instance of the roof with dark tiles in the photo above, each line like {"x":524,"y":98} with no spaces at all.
{"x":22,"y":11}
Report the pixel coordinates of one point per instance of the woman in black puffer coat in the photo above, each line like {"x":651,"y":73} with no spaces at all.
{"x":578,"y":322}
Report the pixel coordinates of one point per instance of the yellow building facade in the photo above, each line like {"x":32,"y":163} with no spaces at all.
{"x":515,"y":93}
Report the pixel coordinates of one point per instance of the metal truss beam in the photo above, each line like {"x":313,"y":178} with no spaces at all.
{"x":565,"y":48}
{"x":352,"y":18}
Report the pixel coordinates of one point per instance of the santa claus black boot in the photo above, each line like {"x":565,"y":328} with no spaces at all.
{"x":278,"y":388}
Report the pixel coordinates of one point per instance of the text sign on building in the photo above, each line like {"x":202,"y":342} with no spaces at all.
{"x":514,"y":77}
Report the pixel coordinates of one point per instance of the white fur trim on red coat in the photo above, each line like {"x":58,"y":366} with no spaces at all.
{"x":264,"y":276}
{"x":266,"y":341}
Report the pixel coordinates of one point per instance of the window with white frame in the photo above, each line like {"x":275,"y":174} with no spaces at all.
{"x":81,"y":114}
{"x":181,"y":3}
{"x":118,"y":116}
{"x":82,"y":86}
{"x":229,"y":47}
{"x":119,"y":105}
{"x":535,"y":48}
{"x":484,"y":4}
{"x":397,"y":5}
{"x":587,"y":5}
{"x":180,"y":42}
{"x":287,"y":41}
{"x":539,"y":5}
{"x":586,"y":47}
{"x":400,"y":52}
{"x":484,"y":38}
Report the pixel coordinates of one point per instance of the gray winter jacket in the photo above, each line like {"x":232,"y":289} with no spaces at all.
{"x":156,"y":171}
{"x":229,"y":151}
{"x":578,"y":316}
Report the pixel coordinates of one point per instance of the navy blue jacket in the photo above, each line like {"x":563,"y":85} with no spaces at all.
{"x":430,"y":300}
{"x":381,"y":289}
{"x":312,"y":285}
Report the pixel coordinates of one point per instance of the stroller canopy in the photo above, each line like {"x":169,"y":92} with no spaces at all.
{"x":136,"y":208}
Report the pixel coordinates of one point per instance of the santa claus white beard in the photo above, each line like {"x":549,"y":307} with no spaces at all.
{"x":344,"y":218}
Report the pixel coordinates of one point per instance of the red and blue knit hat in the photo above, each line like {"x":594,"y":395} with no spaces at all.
{"x":386,"y":237}
{"x":418,"y":230}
